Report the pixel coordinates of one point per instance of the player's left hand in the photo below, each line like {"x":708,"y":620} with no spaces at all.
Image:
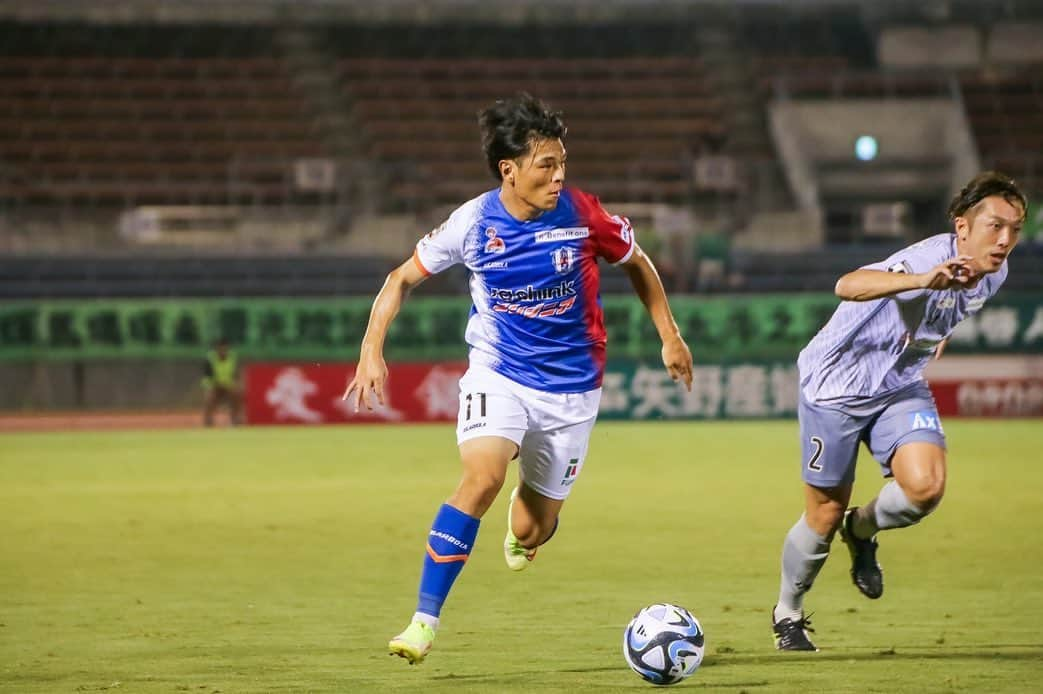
{"x":677,"y":359}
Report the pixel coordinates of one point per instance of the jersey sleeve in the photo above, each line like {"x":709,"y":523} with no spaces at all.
{"x":443,"y":246}
{"x":613,"y":235}
{"x":912,"y":260}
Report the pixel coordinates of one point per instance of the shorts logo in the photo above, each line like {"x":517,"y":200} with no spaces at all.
{"x":495,"y":244}
{"x":563,"y":258}
{"x":570,"y":472}
{"x":926,"y":420}
{"x":568,"y":234}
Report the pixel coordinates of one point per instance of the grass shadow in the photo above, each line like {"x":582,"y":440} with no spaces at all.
{"x":1028,"y":652}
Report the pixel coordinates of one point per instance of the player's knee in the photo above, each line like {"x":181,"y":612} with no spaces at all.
{"x":485,"y":483}
{"x":477,"y":491}
{"x":925,"y":492}
{"x":825,"y":518}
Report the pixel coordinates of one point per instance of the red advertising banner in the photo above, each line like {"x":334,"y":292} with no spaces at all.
{"x":994,"y":397}
{"x":311,"y":394}
{"x":286,"y":393}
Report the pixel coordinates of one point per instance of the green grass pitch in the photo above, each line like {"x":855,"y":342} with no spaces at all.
{"x":282,"y":560}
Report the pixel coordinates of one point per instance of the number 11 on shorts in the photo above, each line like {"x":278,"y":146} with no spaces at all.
{"x":481,"y":405}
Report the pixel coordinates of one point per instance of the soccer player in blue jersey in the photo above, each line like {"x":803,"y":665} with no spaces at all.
{"x":861,"y":380}
{"x":537,"y":343}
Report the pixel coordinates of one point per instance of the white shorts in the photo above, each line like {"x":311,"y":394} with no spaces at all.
{"x":552,"y":430}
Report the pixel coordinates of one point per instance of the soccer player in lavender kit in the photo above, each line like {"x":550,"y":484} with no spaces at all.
{"x":537,"y":343}
{"x":861,"y":380}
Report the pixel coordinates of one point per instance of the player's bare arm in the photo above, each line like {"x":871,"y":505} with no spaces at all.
{"x":677,"y":358}
{"x":372,"y":371}
{"x":865,"y":285}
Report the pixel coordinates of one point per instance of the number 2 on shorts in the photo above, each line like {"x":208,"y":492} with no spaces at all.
{"x":813,"y":464}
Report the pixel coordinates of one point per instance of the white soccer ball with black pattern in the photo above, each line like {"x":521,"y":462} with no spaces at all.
{"x":663,"y":643}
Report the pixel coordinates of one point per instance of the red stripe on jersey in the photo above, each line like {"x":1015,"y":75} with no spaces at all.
{"x":612,"y":235}
{"x":593,"y":316}
{"x":610,"y":238}
{"x":420,"y":265}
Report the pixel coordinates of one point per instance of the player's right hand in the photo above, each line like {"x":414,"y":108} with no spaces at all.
{"x":367,"y":383}
{"x":954,"y":273}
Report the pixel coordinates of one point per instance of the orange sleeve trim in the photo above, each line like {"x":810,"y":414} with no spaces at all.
{"x":419,"y":265}
{"x":444,"y":558}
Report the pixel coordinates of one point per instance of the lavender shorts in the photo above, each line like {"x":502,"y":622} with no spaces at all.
{"x":830,"y":435}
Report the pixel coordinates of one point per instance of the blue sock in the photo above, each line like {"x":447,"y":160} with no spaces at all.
{"x":448,"y":545}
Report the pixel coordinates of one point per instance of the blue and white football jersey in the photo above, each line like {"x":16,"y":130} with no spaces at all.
{"x":536,"y":316}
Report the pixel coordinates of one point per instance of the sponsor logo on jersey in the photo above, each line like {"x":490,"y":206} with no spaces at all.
{"x":564,"y":259}
{"x":947,"y":302}
{"x":542,"y":310}
{"x":495,"y":244}
{"x":567,"y":234}
{"x":494,"y":265}
{"x":530,"y":293}
{"x":519,"y":301}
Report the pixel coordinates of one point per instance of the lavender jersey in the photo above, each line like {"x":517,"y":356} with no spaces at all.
{"x":872,"y":348}
{"x":536,"y":316}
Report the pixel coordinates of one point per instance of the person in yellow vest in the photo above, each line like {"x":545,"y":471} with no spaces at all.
{"x":221,"y":383}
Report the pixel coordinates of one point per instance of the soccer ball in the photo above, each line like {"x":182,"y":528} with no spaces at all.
{"x":663,"y":644}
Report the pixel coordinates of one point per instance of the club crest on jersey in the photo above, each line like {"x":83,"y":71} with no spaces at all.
{"x":495,"y":244}
{"x":564,"y":259}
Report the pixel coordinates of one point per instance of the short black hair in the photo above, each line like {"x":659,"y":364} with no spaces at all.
{"x":510,"y":125}
{"x":985,"y":185}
